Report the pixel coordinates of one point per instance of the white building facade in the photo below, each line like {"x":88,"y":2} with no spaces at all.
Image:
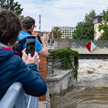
{"x":66,"y":31}
{"x":98,"y":20}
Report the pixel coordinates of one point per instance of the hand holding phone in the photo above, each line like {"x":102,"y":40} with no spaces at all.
{"x":31,"y":45}
{"x":28,"y":59}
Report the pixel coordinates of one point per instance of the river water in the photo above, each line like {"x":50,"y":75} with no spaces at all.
{"x":90,"y":90}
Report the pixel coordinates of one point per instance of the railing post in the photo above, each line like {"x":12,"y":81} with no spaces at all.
{"x":21,"y":100}
{"x":31,"y":101}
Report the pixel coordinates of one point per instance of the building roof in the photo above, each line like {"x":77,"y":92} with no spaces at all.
{"x":99,"y":18}
{"x":101,"y":14}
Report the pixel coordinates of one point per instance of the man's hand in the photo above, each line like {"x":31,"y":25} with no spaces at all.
{"x":44,"y":50}
{"x":42,"y":39}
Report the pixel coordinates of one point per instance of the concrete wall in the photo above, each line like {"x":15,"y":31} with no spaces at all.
{"x":60,"y":82}
{"x":86,"y":51}
{"x":61,"y":43}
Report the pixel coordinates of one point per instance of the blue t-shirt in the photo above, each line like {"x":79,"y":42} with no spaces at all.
{"x":23,"y":34}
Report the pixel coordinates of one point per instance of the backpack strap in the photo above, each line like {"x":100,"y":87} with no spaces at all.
{"x":22,"y":41}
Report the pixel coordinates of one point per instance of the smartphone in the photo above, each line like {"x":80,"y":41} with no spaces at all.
{"x":31,"y":45}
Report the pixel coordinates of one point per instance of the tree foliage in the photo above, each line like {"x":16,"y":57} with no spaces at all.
{"x":90,"y":17}
{"x":85,"y":29}
{"x":13,"y":6}
{"x":104,"y":27}
{"x":56,"y":33}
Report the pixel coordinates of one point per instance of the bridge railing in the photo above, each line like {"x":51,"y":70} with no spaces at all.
{"x":15,"y":97}
{"x":75,"y":43}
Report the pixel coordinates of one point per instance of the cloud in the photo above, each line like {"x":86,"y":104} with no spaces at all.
{"x":64,"y":8}
{"x":59,"y":12}
{"x":31,"y":9}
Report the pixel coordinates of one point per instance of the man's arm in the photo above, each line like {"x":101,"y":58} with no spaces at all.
{"x":44,"y":50}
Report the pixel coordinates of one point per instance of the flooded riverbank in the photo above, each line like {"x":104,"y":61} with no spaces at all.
{"x":82,"y":97}
{"x":91,"y":89}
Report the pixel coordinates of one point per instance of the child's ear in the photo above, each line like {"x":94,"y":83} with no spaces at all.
{"x":9,"y":45}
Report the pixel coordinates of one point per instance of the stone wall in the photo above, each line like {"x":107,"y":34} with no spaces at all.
{"x":60,"y":82}
{"x":58,"y":79}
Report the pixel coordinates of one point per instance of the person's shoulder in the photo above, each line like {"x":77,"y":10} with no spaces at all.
{"x":22,"y":35}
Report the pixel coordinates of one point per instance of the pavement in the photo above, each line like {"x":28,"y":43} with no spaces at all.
{"x":43,"y":104}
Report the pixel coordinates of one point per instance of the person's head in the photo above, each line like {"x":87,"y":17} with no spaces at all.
{"x":10,"y":27}
{"x":28,"y":23}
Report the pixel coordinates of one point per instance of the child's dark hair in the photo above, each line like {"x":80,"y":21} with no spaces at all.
{"x":10,"y":27}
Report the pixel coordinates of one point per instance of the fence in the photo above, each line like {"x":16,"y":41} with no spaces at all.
{"x":75,"y":43}
{"x":16,"y":98}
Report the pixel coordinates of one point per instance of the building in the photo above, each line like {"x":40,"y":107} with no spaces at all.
{"x":98,"y":20}
{"x":67,"y":32}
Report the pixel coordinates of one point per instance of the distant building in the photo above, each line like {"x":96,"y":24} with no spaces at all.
{"x":98,"y":20}
{"x":38,"y":33}
{"x":67,"y":31}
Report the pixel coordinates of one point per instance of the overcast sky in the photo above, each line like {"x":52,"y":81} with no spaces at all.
{"x":60,"y":12}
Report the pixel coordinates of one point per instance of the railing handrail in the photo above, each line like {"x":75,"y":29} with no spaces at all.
{"x":10,"y":97}
{"x":15,"y":96}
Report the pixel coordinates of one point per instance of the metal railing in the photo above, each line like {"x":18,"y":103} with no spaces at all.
{"x":15,"y":97}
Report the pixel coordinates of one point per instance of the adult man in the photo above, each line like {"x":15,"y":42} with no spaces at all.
{"x":28,"y":27}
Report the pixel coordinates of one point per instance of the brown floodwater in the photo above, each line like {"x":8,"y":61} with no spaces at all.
{"x":89,"y":94}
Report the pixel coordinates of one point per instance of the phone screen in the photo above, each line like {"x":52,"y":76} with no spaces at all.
{"x":31,"y":45}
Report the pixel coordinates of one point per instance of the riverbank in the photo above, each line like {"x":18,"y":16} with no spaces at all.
{"x":91,"y":89}
{"x":91,"y":72}
{"x":57,"y":84}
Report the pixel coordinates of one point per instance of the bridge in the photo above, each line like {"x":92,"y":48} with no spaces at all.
{"x":100,"y":52}
{"x":95,"y":54}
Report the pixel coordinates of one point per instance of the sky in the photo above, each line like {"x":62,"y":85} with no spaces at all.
{"x":60,"y":12}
